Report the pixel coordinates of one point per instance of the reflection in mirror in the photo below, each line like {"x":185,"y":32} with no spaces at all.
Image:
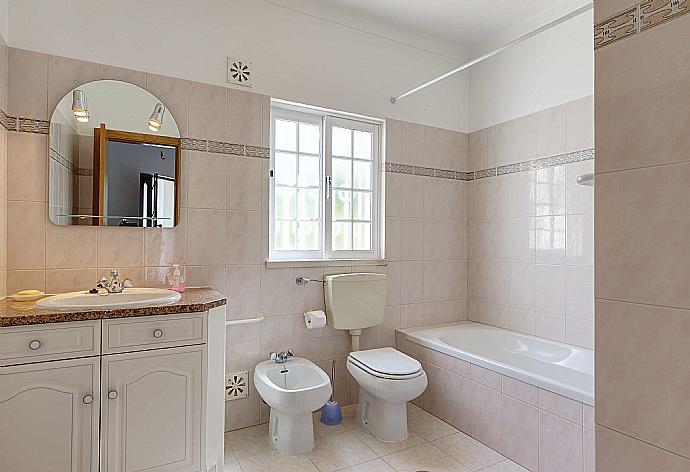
{"x":114,"y":158}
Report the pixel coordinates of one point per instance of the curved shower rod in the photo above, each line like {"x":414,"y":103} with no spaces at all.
{"x":486,"y":56}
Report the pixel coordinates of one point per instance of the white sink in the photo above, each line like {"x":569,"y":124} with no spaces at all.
{"x":129,"y":298}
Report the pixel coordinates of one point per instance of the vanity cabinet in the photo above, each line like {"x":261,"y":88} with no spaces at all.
{"x":130,"y":405}
{"x":49,"y":415}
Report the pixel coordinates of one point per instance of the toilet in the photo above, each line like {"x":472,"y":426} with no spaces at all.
{"x":387,"y":378}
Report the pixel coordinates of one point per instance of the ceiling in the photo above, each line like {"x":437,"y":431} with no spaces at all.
{"x":467,"y":22}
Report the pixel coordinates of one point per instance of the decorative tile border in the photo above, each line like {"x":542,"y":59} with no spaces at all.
{"x":534,"y":164}
{"x":66,"y":163}
{"x":27,"y":125}
{"x":639,"y":18}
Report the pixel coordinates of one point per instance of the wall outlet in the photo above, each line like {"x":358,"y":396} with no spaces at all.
{"x":240,"y":72}
{"x":236,"y":385}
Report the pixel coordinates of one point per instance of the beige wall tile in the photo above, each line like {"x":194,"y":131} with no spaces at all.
{"x":277,"y":291}
{"x":549,"y":288}
{"x":245,"y":115}
{"x":579,"y":332}
{"x":412,"y":196}
{"x":579,"y":249}
{"x":550,"y":131}
{"x":522,"y":286}
{"x":617,"y":452}
{"x":486,"y":416}
{"x":455,"y":284}
{"x":523,"y":139}
{"x":603,"y":10}
{"x":174,"y":93}
{"x":65,"y":74}
{"x":393,"y":141}
{"x":522,"y":320}
{"x":550,"y":326}
{"x":26,"y":235}
{"x":165,"y":247}
{"x":18,"y":280}
{"x":412,"y":239}
{"x":641,"y":117}
{"x":478,"y":148}
{"x":207,"y":179}
{"x":242,"y":347}
{"x":550,"y":236}
{"x":308,"y":342}
{"x":549,"y":191}
{"x":519,"y":390}
{"x":308,"y":297}
{"x":579,"y":293}
{"x":412,"y":144}
{"x":120,"y":247}
{"x":243,"y":289}
{"x":244,"y":183}
{"x":520,"y":432}
{"x":242,"y":237}
{"x":559,"y":405}
{"x":644,"y":238}
{"x":244,"y":412}
{"x":207,"y":111}
{"x":70,"y":280}
{"x":498,"y":145}
{"x":579,"y":198}
{"x":642,"y":373}
{"x":27,"y":154}
{"x":27,"y":84}
{"x":4,"y":59}
{"x":106,"y":72}
{"x":560,"y":444}
{"x":485,"y":377}
{"x":206,"y":237}
{"x":580,"y":124}
{"x":71,"y":247}
{"x":394,"y":194}
{"x":206,"y":276}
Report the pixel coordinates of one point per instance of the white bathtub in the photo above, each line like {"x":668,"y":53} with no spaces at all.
{"x":553,"y":366}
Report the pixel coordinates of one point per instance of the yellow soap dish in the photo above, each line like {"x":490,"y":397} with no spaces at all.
{"x":27,"y":295}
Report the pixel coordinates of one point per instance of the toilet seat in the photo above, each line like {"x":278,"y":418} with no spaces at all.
{"x":386,"y":363}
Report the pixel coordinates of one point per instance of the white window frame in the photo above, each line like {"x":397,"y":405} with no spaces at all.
{"x":326,"y":119}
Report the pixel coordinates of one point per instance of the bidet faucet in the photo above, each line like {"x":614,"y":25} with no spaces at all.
{"x":114,"y":285}
{"x":282,"y":357}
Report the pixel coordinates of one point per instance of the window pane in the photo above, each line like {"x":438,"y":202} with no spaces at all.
{"x":308,"y":204}
{"x":342,"y":142}
{"x":342,"y":172}
{"x":286,"y":235}
{"x":342,"y":234}
{"x":362,"y":175}
{"x":286,"y":202}
{"x":309,"y":171}
{"x":309,"y":138}
{"x":286,"y":135}
{"x":308,"y":236}
{"x":361,"y":238}
{"x":362,"y":145}
{"x":361,"y":206}
{"x":285,"y":169}
{"x":342,"y":207}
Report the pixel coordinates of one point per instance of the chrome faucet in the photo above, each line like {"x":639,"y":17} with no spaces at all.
{"x":114,"y":285}
{"x":282,"y":357}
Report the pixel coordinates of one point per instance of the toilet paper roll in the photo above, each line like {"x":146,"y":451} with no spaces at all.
{"x":315,"y":319}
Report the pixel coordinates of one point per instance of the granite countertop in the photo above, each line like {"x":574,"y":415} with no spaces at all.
{"x":14,"y":313}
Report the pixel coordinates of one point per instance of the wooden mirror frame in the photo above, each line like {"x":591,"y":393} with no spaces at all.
{"x":101,"y":136}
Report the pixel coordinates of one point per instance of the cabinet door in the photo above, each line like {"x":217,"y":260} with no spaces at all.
{"x":49,"y":416}
{"x":152,"y":410}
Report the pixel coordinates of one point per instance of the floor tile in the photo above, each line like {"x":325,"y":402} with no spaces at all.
{"x":427,"y":425}
{"x":275,"y":461}
{"x":426,"y":457}
{"x":339,"y":451}
{"x":383,"y":448}
{"x":230,"y":463}
{"x":473,"y":454}
{"x":505,"y":466}
{"x":321,"y":430}
{"x":377,"y":465}
{"x":249,"y":441}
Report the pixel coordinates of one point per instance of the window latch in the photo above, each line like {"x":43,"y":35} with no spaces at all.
{"x":328,"y":187}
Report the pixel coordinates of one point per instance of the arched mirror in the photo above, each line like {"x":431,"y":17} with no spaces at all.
{"x":114,"y":158}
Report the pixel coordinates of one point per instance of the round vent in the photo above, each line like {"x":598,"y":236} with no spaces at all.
{"x":240,"y":72}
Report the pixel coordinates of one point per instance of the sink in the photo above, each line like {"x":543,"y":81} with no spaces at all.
{"x":129,"y":298}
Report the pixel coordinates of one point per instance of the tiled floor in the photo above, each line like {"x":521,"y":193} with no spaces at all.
{"x":432,"y":446}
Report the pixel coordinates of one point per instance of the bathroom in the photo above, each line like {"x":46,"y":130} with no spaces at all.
{"x":498,"y":222}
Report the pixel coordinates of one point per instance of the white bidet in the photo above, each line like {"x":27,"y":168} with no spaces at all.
{"x":293,"y":389}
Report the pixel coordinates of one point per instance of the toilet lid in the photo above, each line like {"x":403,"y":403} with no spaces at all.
{"x":387,"y":361}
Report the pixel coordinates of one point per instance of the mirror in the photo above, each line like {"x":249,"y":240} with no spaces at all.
{"x":114,"y":158}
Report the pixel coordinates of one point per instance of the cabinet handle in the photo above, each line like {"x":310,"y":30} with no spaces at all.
{"x":157,"y":333}
{"x":112,"y":394}
{"x":35,"y":345}
{"x":87,"y":399}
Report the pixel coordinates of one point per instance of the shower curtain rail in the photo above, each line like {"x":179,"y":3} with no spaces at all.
{"x":486,"y":56}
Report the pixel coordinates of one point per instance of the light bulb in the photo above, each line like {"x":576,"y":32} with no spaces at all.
{"x":79,"y":107}
{"x":156,"y":118}
{"x":153,"y":128}
{"x":82,"y":118}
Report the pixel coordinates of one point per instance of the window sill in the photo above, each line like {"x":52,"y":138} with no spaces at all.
{"x":306,"y":263}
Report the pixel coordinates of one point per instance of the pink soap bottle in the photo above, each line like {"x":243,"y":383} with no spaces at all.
{"x":176,"y":280}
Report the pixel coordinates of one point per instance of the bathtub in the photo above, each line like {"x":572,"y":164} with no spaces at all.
{"x":553,"y":366}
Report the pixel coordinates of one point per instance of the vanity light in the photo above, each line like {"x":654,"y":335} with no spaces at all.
{"x":79,"y":107}
{"x":156,"y":119}
{"x":82,"y":119}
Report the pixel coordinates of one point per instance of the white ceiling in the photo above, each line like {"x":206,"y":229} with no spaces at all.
{"x":468,"y":23}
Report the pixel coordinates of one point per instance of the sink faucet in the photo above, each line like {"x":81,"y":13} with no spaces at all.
{"x":114,"y":285}
{"x":282,"y":357}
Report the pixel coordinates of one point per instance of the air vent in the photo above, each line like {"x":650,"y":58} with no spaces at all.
{"x":236,"y":385}
{"x":240,"y":72}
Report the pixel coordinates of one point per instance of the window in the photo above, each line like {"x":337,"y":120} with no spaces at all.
{"x":325,"y":174}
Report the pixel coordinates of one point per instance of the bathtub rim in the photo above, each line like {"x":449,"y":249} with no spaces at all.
{"x":523,"y":375}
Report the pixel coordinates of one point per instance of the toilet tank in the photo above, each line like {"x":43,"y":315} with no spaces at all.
{"x":355,"y":301}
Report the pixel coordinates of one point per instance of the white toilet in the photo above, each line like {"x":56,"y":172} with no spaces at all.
{"x":387,"y":378}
